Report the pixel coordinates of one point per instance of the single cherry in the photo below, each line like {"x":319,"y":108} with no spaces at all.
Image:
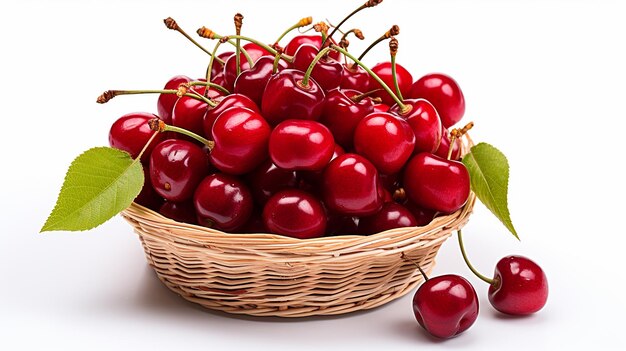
{"x":295,"y":213}
{"x":423,"y":216}
{"x":299,"y":40}
{"x":391,"y":216}
{"x":444,"y":147}
{"x":189,"y":113}
{"x":354,"y":77}
{"x":223,"y":202}
{"x":343,"y":110}
{"x":179,"y":211}
{"x":267,"y":179}
{"x":230,"y":66}
{"x":327,"y":72}
{"x":131,"y":132}
{"x":301,"y":145}
{"x":223,"y":104}
{"x":424,"y":121}
{"x":252,"y":82}
{"x":519,"y":286}
{"x":165,"y":103}
{"x":287,"y":97}
{"x":444,"y":93}
{"x":383,"y":70}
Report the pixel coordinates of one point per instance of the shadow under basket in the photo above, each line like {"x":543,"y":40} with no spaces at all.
{"x":272,"y":275}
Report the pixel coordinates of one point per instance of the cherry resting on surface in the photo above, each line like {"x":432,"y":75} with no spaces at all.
{"x":519,"y":286}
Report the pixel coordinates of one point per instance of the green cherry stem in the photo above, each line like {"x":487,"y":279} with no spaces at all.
{"x":214,"y":55}
{"x":301,"y":23}
{"x":110,"y":94}
{"x":393,"y":49}
{"x":467,"y":262}
{"x":159,"y":126}
{"x":403,"y":108}
{"x":309,"y":70}
{"x":276,"y":61}
{"x":268,"y":48}
{"x":171,"y":24}
{"x":145,"y":147}
{"x":369,"y":3}
{"x":209,"y":84}
{"x":209,"y":34}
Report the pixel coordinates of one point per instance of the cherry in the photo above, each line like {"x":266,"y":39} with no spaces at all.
{"x":131,"y":132}
{"x":436,"y":183}
{"x":176,"y":168}
{"x":326,"y":72}
{"x":295,"y":213}
{"x":384,"y":139}
{"x":392,"y":215}
{"x":383,"y":70}
{"x":223,"y":202}
{"x":351,"y":186}
{"x":342,"y":113}
{"x":224,"y":103}
{"x":165,"y":103}
{"x":381,"y":107}
{"x":354,"y":77}
{"x":286,"y":97}
{"x":148,"y":197}
{"x":252,"y":82}
{"x":311,"y":180}
{"x":424,"y":121}
{"x":444,"y":147}
{"x":519,"y":286}
{"x":315,"y":40}
{"x":230,"y":66}
{"x":444,"y":93}
{"x":423,"y":216}
{"x":189,"y":113}
{"x":241,"y":140}
{"x":218,"y":67}
{"x":179,"y":211}
{"x":301,"y":145}
{"x":267,"y":179}
{"x":446,"y":305}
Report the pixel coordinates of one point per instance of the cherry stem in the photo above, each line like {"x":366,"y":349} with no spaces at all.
{"x":469,"y":265}
{"x":301,"y":23}
{"x":243,"y":37}
{"x":395,"y":30}
{"x":209,"y":34}
{"x":456,"y":134}
{"x":210,"y":66}
{"x":416,"y":265}
{"x":171,"y":24}
{"x":209,"y":84}
{"x":369,"y":3}
{"x":358,"y":98}
{"x":110,"y":94}
{"x":393,"y":48}
{"x":145,"y":147}
{"x":160,"y":126}
{"x":309,"y":70}
{"x":238,"y":23}
{"x":275,"y":66}
{"x":403,"y":108}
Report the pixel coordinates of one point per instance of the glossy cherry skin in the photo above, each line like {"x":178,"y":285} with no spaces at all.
{"x":351,"y":186}
{"x":444,"y":147}
{"x":424,"y":121}
{"x":341,"y":114}
{"x":436,"y":183}
{"x":224,"y":103}
{"x":148,"y":197}
{"x":267,"y":179}
{"x":446,"y":305}
{"x":131,"y":132}
{"x":392,"y":215}
{"x":230,"y":66}
{"x":383,"y":70}
{"x":179,"y":211}
{"x":241,"y":140}
{"x":295,"y":213}
{"x":381,"y":107}
{"x":165,"y":103}
{"x":315,"y":40}
{"x":301,"y":145}
{"x":444,"y":93}
{"x":354,"y":77}
{"x":285,"y":97}
{"x":386,"y":140}
{"x":252,"y":82}
{"x":519,"y":286}
{"x":218,"y":68}
{"x":223,"y":202}
{"x":176,"y":168}
{"x":327,"y":72}
{"x":189,"y":112}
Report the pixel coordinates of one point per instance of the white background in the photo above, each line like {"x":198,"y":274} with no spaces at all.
{"x":543,"y":80}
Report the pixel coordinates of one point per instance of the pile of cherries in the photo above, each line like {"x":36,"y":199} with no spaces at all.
{"x":306,"y":141}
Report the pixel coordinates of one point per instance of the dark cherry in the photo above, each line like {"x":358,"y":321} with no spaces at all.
{"x":285,"y":97}
{"x":301,"y":145}
{"x":267,"y":179}
{"x":295,"y":213}
{"x":223,"y":202}
{"x":179,"y":211}
{"x":341,"y":114}
{"x":424,"y":122}
{"x":131,"y":132}
{"x":519,"y":286}
{"x":351,"y":186}
{"x":391,"y":216}
{"x":315,"y":40}
{"x":383,"y":70}
{"x":254,"y":224}
{"x":189,"y":112}
{"x":444,"y":147}
{"x":252,"y":82}
{"x":436,"y":183}
{"x":241,"y":140}
{"x":354,"y":77}
{"x":423,"y":216}
{"x":444,"y":93}
{"x":446,"y":305}
{"x":342,"y":225}
{"x":148,"y":197}
{"x":386,"y":140}
{"x":165,"y":103}
{"x":223,"y":104}
{"x":230,"y":66}
{"x":326,"y":72}
{"x":176,"y":168}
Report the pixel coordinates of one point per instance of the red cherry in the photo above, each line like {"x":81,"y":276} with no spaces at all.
{"x":131,"y":132}
{"x":326,"y":72}
{"x":267,"y":179}
{"x":519,"y":286}
{"x":179,"y":211}
{"x":295,"y":213}
{"x":176,"y":168}
{"x":148,"y":197}
{"x":301,"y":145}
{"x":383,"y":70}
{"x":165,"y":103}
{"x":285,"y":97}
{"x":446,"y":305}
{"x":391,"y":216}
{"x":189,"y":112}
{"x":444,"y":93}
{"x":222,"y":201}
{"x":424,"y":122}
{"x":218,"y":68}
{"x":230,"y":66}
{"x":444,"y":147}
{"x":315,"y":40}
{"x":223,"y":104}
{"x":423,"y":216}
{"x":351,"y":186}
{"x":354,"y":77}
{"x":241,"y":140}
{"x":384,"y":139}
{"x":252,"y":82}
{"x":436,"y":183}
{"x":341,"y":114}
{"x":381,"y":108}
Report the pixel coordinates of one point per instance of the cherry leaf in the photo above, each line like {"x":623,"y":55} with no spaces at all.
{"x":99,"y":184}
{"x":489,"y":174}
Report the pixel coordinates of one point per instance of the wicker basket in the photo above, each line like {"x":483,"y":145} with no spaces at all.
{"x":272,"y":275}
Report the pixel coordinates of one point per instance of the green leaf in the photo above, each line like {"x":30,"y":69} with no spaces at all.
{"x":489,"y":174}
{"x":99,"y":184}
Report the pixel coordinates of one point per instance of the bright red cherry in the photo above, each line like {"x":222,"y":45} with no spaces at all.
{"x":176,"y":168}
{"x":165,"y":103}
{"x":424,"y":121}
{"x":252,"y":82}
{"x":446,"y":305}
{"x":223,"y":202}
{"x":351,"y":186}
{"x":285,"y":97}
{"x":267,"y":179}
{"x":326,"y":72}
{"x":223,"y":104}
{"x":436,"y":183}
{"x":217,"y":67}
{"x":444,"y":147}
{"x":230,"y":66}
{"x":519,"y":286}
{"x":384,"y":139}
{"x":383,"y":70}
{"x":131,"y":132}
{"x":354,"y":77}
{"x":301,"y":145}
{"x":316,"y":40}
{"x":179,"y":211}
{"x":342,"y":113}
{"x":381,"y":108}
{"x":391,"y":216}
{"x":444,"y":93}
{"x":241,"y":140}
{"x":189,"y":112}
{"x":295,"y":213}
